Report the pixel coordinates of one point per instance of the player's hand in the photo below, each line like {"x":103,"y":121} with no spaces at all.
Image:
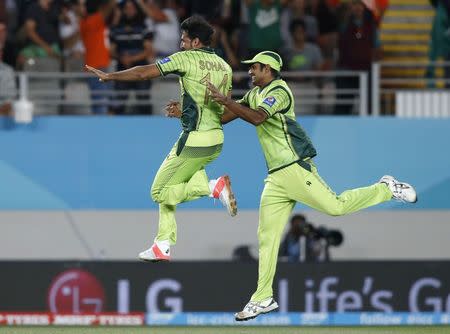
{"x":173,"y":109}
{"x":215,"y":94}
{"x":102,"y":76}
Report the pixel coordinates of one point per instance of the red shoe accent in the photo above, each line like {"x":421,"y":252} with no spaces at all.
{"x":219,"y":187}
{"x":159,"y":255}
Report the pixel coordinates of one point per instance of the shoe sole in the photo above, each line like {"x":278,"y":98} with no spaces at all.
{"x":154,"y":261}
{"x":250,"y":318}
{"x":231,"y":197}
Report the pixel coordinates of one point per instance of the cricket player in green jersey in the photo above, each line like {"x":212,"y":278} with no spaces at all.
{"x":293,"y":176}
{"x":182,"y":176}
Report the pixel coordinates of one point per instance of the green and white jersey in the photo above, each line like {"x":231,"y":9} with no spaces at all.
{"x":282,"y":139}
{"x":195,"y":67}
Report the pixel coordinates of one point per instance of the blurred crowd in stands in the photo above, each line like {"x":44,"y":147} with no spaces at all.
{"x":63,"y":35}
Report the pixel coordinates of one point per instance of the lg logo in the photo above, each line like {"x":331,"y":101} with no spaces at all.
{"x":76,"y":291}
{"x":161,"y":296}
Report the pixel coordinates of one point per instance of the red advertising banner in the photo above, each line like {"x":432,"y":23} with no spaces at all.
{"x":85,"y":319}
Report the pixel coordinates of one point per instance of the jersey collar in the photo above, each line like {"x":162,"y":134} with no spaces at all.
{"x":204,"y":49}
{"x":267,"y":84}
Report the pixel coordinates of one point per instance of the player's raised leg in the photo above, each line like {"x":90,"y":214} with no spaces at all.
{"x":308,"y":187}
{"x":180,"y":178}
{"x":221,"y":188}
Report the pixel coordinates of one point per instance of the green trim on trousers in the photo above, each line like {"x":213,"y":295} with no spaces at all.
{"x":282,"y":190}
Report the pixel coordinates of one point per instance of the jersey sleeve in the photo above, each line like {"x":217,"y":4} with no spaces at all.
{"x":276,"y":100}
{"x":176,"y":63}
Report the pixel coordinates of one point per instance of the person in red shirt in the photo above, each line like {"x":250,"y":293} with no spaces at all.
{"x":95,"y":35}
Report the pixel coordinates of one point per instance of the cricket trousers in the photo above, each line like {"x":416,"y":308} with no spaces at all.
{"x":181,"y":178}
{"x":282,"y":190}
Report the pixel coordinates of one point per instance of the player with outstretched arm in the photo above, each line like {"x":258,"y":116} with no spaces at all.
{"x":182,"y":176}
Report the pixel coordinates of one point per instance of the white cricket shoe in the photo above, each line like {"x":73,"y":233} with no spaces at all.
{"x":158,"y":252}
{"x":253,"y":309}
{"x":221,"y":189}
{"x":401,"y":191}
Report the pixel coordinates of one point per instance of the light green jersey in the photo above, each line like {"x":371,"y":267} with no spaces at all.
{"x":282,"y":139}
{"x":196,"y":67}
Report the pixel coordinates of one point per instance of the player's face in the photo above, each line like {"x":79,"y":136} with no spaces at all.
{"x":186,"y":42}
{"x":258,"y":74}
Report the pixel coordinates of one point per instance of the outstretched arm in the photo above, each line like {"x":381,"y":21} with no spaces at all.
{"x":227,"y":116}
{"x":136,"y":73}
{"x":253,"y":116}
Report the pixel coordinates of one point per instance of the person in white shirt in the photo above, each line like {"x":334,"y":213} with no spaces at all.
{"x":69,"y":29}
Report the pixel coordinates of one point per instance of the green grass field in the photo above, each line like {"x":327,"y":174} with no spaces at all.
{"x":228,"y":330}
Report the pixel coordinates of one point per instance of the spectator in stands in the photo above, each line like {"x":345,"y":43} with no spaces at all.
{"x":163,"y":20}
{"x":296,"y":11}
{"x":303,"y":56}
{"x":21,"y":8}
{"x":221,"y":45}
{"x":95,"y":33}
{"x":328,"y":30}
{"x":3,"y":13}
{"x":440,"y":38}
{"x":41,"y":27}
{"x":358,"y":48}
{"x":3,"y":32}
{"x":11,"y":12}
{"x":10,"y":19}
{"x":211,"y":9}
{"x":131,"y":44}
{"x":7,"y":79}
{"x":264,"y":25}
{"x":69,"y":30}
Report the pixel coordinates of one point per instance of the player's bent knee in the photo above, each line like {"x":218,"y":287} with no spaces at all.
{"x":155,"y":194}
{"x":335,"y":211}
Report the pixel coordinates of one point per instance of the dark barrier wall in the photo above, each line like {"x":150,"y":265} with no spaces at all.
{"x":215,"y":287}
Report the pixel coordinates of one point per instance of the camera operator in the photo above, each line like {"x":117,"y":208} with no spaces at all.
{"x":306,"y":243}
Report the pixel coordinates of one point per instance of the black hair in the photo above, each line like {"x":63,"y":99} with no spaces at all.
{"x":298,"y":216}
{"x":138,"y":19}
{"x":275,"y":73}
{"x":92,"y":6}
{"x":197,"y":27}
{"x":296,"y":23}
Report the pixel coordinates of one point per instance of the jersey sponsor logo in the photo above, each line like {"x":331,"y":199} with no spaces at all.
{"x":270,"y":101}
{"x":165,"y":60}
